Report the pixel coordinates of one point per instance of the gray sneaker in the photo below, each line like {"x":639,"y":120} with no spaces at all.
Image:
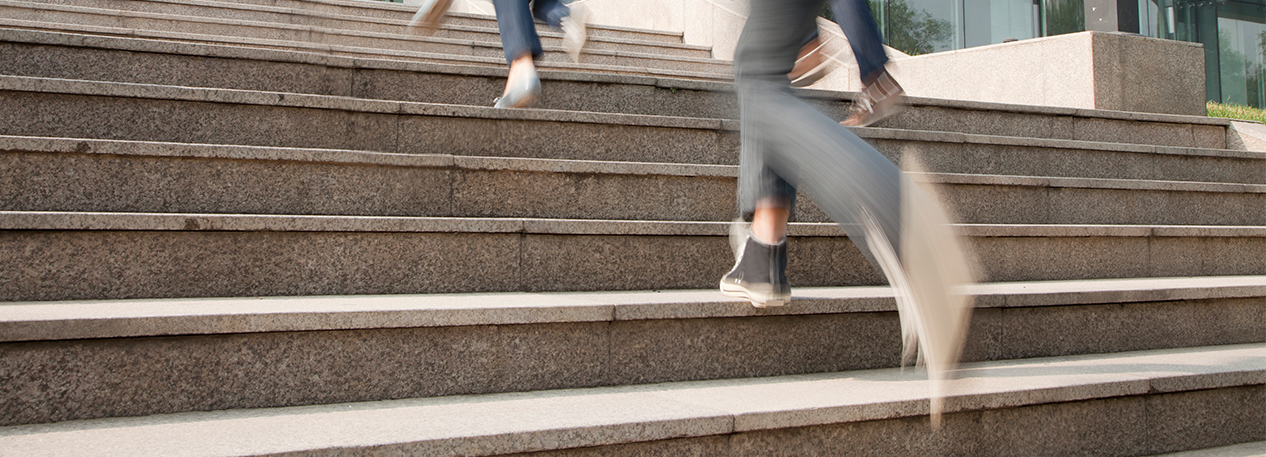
{"x":759,"y":274}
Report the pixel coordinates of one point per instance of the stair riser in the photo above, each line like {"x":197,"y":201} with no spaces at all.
{"x":396,"y":12}
{"x":297,"y":77}
{"x":108,"y":183}
{"x":140,"y":376}
{"x":343,"y":18}
{"x":950,"y":119}
{"x":71,"y":116}
{"x":549,"y":36}
{"x":72,"y":265}
{"x":1143,"y":425}
{"x":307,"y":34}
{"x":75,"y":116}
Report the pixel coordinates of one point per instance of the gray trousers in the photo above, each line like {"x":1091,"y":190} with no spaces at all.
{"x":787,"y":144}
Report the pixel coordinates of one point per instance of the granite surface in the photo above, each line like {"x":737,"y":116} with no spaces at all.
{"x":1060,"y":390}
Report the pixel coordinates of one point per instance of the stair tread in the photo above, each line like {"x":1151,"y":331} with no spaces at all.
{"x":1256,"y":449}
{"x":355,"y":52}
{"x":121,"y":221}
{"x":404,"y":37}
{"x":544,"y":420}
{"x":237,"y":6}
{"x":317,"y":155}
{"x":254,"y":97}
{"x":84,"y":319}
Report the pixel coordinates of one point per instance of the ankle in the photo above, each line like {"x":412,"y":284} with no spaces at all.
{"x":520,"y":68}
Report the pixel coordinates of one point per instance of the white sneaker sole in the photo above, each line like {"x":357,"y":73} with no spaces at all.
{"x":759,"y":300}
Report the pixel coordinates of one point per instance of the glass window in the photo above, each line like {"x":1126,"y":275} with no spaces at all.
{"x":1241,"y":49}
{"x":995,"y":21}
{"x":1063,"y":16}
{"x":919,"y":26}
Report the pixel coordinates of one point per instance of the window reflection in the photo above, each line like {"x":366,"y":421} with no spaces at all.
{"x":1241,"y":45}
{"x":996,"y":21}
{"x":917,"y":26}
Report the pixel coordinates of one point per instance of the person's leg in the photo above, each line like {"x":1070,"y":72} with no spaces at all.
{"x":518,"y":31}
{"x":521,"y":44}
{"x":783,"y":138}
{"x":890,"y":220}
{"x":551,"y":12}
{"x":858,"y":24}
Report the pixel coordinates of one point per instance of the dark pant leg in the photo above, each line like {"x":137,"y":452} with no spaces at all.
{"x":551,"y":12}
{"x":858,"y":24}
{"x":785,"y":137}
{"x":518,"y":31}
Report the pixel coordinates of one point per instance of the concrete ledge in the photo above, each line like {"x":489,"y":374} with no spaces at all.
{"x":1247,"y":136}
{"x":1109,"y":71}
{"x":548,"y":420}
{"x":75,"y":320}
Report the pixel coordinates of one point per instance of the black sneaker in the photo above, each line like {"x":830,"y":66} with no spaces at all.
{"x":759,"y":275}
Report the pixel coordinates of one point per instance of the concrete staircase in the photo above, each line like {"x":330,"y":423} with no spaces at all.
{"x":264,"y":227}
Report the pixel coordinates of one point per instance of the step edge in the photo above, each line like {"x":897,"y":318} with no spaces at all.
{"x":285,"y":99}
{"x":548,"y":420}
{"x":94,"y":319}
{"x":128,"y":148}
{"x":206,"y":222}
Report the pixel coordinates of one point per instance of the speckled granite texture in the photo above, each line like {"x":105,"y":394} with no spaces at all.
{"x":89,"y":378}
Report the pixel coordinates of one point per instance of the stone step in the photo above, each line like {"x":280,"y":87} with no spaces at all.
{"x":145,"y":61}
{"x":72,"y":256}
{"x":1200,"y":397}
{"x":53,"y":174}
{"x":94,"y":359}
{"x":1255,"y":449}
{"x":285,"y":36}
{"x":122,"y":111}
{"x":400,"y":58}
{"x":461,"y":26}
{"x":396,"y":11}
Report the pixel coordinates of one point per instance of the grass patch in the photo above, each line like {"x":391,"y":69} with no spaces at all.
{"x":1243,"y":113}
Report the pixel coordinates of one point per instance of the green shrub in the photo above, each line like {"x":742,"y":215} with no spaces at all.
{"x":1237,"y":112}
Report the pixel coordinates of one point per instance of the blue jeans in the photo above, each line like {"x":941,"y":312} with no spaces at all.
{"x":858,"y":24}
{"x":518,"y":30}
{"x":786,"y":143}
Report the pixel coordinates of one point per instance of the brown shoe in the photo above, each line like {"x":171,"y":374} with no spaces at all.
{"x":880,"y":98}
{"x":811,"y":65}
